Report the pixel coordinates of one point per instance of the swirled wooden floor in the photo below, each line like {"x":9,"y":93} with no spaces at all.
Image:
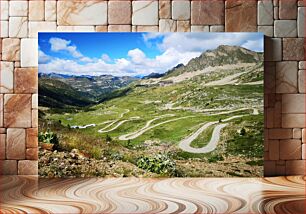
{"x":132,"y":195}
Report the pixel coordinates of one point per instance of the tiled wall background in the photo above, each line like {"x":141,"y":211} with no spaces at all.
{"x":281,"y":20}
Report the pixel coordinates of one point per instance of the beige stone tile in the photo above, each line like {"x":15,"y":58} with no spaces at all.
{"x":75,"y":28}
{"x":11,"y":49}
{"x":269,"y":168}
{"x":32,"y":154}
{"x":17,"y":110}
{"x":265,"y":12}
{"x":15,"y":144}
{"x":280,"y":133}
{"x":240,"y":16}
{"x":146,"y":28}
{"x":285,"y":28}
{"x":2,"y":130}
{"x":302,"y":65}
{"x":280,"y":170}
{"x":293,"y":49}
{"x":278,"y":114}
{"x":183,"y":26}
{"x":295,"y":167}
{"x":167,"y":25}
{"x":304,"y":151}
{"x":301,"y":22}
{"x":180,"y":10}
{"x":18,"y":8}
{"x":34,"y":101}
{"x":4,"y":6}
{"x":216,"y":28}
{"x":8,"y":167}
{"x":3,"y":29}
{"x":26,"y":80}
{"x":36,"y":10}
{"x":269,"y":79}
{"x":119,"y":12}
{"x":290,"y":149}
{"x":37,"y":26}
{"x":32,"y":138}
{"x":269,"y":118}
{"x":134,"y":29}
{"x":302,"y":81}
{"x":164,"y":9}
{"x":119,"y":28}
{"x":199,"y":28}
{"x":35,"y":118}
{"x":2,"y":146}
{"x":29,"y":53}
{"x":301,"y":3}
{"x":101,"y":28}
{"x":145,"y":13}
{"x":266,"y":30}
{"x":207,"y":12}
{"x":50,"y":10}
{"x":293,"y":103}
{"x":273,"y":150}
{"x":293,"y":120}
{"x":297,"y":133}
{"x":28,"y":167}
{"x":304,"y":135}
{"x":1,"y":110}
{"x":18,"y":27}
{"x":91,"y":12}
{"x":17,"y":64}
{"x":6,"y":77}
{"x":273,"y":49}
{"x":275,"y":13}
{"x":286,"y":77}
{"x":287,"y":9}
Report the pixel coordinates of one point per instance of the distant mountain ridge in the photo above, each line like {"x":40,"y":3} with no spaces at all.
{"x":222,"y":55}
{"x":83,"y":90}
{"x":77,"y":90}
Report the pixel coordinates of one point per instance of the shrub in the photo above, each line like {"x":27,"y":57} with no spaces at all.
{"x":48,"y":137}
{"x":160,"y":164}
{"x":108,"y":138}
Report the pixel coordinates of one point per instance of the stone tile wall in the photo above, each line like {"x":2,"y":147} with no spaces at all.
{"x":282,"y":21}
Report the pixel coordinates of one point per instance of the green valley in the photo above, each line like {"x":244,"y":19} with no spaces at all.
{"x":204,"y":119}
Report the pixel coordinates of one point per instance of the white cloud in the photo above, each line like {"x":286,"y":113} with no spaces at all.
{"x":137,"y":56}
{"x":175,"y":48}
{"x":42,"y":57}
{"x":58,"y":44}
{"x":106,"y":58}
{"x":204,"y":41}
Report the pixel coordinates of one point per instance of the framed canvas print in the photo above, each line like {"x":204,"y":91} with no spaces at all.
{"x":151,"y":104}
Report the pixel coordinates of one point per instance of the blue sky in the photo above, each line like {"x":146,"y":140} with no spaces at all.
{"x":130,"y":54}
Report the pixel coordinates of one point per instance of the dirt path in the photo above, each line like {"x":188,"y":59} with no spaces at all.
{"x":212,"y":144}
{"x":118,"y":124}
{"x":147,"y":127}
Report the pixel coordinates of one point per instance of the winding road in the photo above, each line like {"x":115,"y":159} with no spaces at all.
{"x":147,"y":127}
{"x":212,"y":144}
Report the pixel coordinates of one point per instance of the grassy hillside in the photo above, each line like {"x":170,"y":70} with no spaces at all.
{"x":56,"y":94}
{"x":146,"y":124}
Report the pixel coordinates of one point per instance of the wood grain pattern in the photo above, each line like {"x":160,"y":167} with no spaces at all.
{"x":133,"y":195}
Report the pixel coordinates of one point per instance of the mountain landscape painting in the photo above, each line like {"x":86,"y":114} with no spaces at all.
{"x":151,"y":104}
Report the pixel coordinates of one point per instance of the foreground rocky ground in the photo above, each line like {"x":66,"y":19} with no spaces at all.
{"x":75,"y":164}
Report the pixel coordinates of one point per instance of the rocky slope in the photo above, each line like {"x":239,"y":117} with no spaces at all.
{"x":223,"y":55}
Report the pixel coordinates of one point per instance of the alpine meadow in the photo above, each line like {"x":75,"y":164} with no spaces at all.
{"x":151,"y":104}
